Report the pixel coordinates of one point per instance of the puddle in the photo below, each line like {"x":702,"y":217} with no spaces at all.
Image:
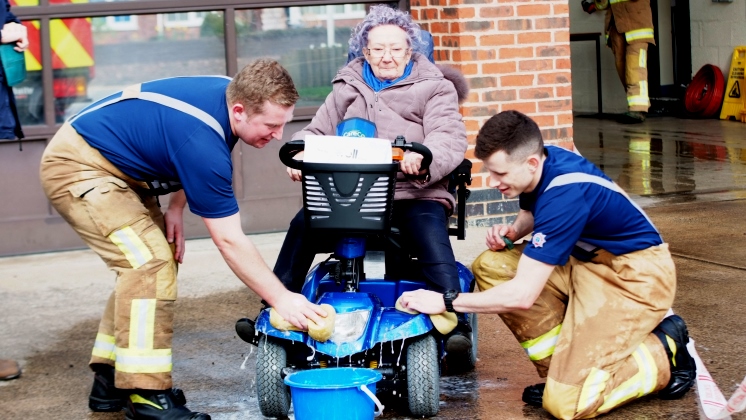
{"x":668,"y":160}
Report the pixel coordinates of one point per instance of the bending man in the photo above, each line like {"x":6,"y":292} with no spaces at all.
{"x":104,"y":169}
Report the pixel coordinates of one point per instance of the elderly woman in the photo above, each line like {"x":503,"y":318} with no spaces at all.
{"x":392,"y":84}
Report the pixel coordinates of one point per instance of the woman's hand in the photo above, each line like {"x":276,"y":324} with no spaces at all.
{"x":411,"y":163}
{"x":295,"y":174}
{"x":15,"y":32}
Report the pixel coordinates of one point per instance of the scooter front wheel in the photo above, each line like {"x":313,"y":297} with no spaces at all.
{"x":423,"y":377}
{"x":272,"y":393}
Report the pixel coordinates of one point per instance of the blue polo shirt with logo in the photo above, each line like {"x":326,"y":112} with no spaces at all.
{"x":575,"y":201}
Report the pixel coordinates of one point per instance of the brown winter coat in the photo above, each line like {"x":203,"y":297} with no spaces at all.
{"x":630,"y":15}
{"x":423,"y":108}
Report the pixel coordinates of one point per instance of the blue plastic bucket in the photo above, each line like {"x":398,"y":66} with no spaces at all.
{"x":335,"y":394}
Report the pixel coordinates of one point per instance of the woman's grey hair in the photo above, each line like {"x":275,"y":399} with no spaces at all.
{"x":385,"y":15}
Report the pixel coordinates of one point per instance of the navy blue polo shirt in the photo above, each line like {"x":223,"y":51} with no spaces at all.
{"x":575,"y":201}
{"x":186,"y":137}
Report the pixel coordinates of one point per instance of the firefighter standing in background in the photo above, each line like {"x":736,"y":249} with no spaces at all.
{"x":588,"y":297}
{"x":103,"y":171}
{"x":12,"y":32}
{"x":10,"y":126}
{"x":629,"y":29}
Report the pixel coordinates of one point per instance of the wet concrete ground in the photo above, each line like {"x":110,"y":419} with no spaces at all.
{"x":688,"y":175}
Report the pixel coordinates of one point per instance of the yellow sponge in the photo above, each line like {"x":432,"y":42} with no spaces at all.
{"x":323,"y":330}
{"x":444,"y":322}
{"x":319,"y":332}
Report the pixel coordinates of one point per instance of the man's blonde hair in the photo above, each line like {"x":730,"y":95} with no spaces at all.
{"x":260,"y":81}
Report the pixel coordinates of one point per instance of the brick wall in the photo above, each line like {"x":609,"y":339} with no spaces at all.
{"x":516,"y":55}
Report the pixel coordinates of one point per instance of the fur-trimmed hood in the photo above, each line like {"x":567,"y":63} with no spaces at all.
{"x":457,"y":78}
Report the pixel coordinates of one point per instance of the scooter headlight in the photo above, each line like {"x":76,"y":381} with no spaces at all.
{"x":349,"y":326}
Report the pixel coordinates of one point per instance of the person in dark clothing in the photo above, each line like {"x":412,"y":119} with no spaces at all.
{"x":12,"y":32}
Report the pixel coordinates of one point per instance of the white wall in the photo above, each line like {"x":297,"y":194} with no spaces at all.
{"x":717,"y":28}
{"x":665,"y":41}
{"x":583,"y":60}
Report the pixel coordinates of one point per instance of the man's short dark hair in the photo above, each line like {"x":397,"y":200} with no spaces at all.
{"x":511,"y":132}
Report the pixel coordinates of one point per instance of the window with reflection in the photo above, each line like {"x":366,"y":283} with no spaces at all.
{"x":310,"y":42}
{"x":94,"y":57}
{"x":73,"y":68}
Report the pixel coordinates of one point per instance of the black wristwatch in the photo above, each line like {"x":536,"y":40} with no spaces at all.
{"x":448,"y":298}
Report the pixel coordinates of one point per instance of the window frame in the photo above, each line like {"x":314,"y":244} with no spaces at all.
{"x":44,"y":12}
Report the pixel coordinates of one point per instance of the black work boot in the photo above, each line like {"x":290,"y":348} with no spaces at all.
{"x":246,"y":331}
{"x":673,"y":334}
{"x":160,"y":405}
{"x":632,"y":117}
{"x":458,"y":341}
{"x":105,"y":397}
{"x":533,"y":395}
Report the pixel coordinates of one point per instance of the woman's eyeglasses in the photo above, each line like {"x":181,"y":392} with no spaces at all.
{"x":396,"y":52}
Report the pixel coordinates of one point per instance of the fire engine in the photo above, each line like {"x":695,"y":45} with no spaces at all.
{"x":72,"y":65}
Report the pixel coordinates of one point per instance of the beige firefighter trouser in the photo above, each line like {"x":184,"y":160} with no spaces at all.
{"x":631,"y":59}
{"x":126,"y":230}
{"x":593,"y":322}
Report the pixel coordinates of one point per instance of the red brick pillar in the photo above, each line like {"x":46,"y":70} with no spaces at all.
{"x":515,"y":55}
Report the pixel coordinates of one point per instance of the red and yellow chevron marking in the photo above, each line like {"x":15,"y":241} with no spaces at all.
{"x":72,"y":40}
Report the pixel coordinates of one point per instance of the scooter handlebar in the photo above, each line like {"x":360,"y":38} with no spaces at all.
{"x":427,"y":155}
{"x":293,"y":147}
{"x":288,"y":152}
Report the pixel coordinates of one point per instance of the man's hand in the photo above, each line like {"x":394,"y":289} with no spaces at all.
{"x":495,"y":235}
{"x":411,"y":163}
{"x":297,"y":310}
{"x":174,"y":218}
{"x":423,"y":301}
{"x":15,"y":32}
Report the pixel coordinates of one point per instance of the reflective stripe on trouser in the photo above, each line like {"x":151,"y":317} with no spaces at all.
{"x":126,"y":230}
{"x":630,"y":56}
{"x":603,"y":312}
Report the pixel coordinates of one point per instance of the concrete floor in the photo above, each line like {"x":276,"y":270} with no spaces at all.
{"x":687,"y":174}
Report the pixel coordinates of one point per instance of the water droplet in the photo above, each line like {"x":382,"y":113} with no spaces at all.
{"x":313,"y":350}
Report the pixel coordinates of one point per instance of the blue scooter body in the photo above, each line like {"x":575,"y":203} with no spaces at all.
{"x":355,"y":200}
{"x":377,"y":297}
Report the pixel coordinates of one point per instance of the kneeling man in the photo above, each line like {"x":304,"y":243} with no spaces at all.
{"x":587,"y":296}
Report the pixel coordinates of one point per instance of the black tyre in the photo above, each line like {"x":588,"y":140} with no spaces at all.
{"x":271,"y":392}
{"x":474,"y":339}
{"x":423,"y":377}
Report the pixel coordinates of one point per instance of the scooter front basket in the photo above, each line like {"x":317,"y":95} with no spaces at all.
{"x":354,"y":198}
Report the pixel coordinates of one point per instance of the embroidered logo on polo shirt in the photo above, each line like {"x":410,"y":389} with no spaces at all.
{"x":539,"y":240}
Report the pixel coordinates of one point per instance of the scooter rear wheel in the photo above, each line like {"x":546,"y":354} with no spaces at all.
{"x":423,"y":377}
{"x":272,"y":393}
